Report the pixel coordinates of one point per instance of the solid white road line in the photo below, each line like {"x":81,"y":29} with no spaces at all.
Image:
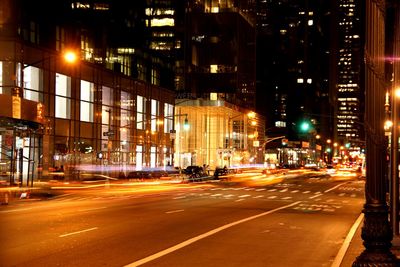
{"x":179,"y":197}
{"x":342,"y":251}
{"x":173,"y":211}
{"x":314,"y":196}
{"x":78,"y":232}
{"x":202,"y":236}
{"x":333,"y":188}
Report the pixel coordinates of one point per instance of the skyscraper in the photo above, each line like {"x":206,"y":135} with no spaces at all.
{"x":220,"y":50}
{"x":350,"y":96}
{"x":292,"y":65}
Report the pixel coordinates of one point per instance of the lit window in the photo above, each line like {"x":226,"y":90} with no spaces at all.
{"x":168,"y":117}
{"x":140,"y":111}
{"x":310,"y":22}
{"x":215,"y":9}
{"x":32,"y":84}
{"x":154,"y":114}
{"x":213,"y":96}
{"x":63,"y":94}
{"x":162,"y":22}
{"x":86,"y":104}
{"x":309,"y":81}
{"x":300,"y":80}
{"x":213,"y":68}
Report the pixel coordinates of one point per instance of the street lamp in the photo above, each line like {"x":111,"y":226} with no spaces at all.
{"x":376,"y":232}
{"x":68,"y":56}
{"x":394,"y":160}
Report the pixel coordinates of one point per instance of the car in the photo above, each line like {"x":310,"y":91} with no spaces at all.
{"x":189,"y":170}
{"x":220,"y":172}
{"x":158,"y":174}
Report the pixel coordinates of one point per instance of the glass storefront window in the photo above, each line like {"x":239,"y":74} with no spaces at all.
{"x":33,"y":84}
{"x":86,"y":103}
{"x":139,"y":157}
{"x":107,"y":96}
{"x":168,"y":117}
{"x":63,"y":94}
{"x":140,"y":112}
{"x":153,"y":156}
{"x":154,"y":114}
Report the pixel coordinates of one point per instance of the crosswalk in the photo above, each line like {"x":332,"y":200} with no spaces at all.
{"x":280,"y":192}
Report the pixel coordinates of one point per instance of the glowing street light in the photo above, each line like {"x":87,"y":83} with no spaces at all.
{"x":70,"y":57}
{"x":186,"y":125}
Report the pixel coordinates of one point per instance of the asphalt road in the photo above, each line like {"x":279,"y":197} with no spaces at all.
{"x":289,"y":222}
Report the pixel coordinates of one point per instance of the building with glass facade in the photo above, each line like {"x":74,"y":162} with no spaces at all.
{"x":106,"y":111}
{"x":219,"y":134}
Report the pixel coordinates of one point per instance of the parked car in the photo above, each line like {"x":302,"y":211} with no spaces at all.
{"x":220,"y":172}
{"x":158,"y":174}
{"x":225,"y":172}
{"x":193,"y":170}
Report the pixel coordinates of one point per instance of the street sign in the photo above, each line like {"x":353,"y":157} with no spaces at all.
{"x":109,"y":133}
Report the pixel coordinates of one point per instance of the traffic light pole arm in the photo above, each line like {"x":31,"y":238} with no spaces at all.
{"x":273,"y":138}
{"x":176,"y":115}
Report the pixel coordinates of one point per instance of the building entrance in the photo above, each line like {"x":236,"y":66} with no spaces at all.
{"x":20,"y":152}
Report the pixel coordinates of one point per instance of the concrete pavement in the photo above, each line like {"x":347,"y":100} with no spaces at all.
{"x":351,"y":248}
{"x":356,"y":247}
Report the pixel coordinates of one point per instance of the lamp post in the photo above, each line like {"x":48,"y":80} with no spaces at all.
{"x":376,"y":232}
{"x":394,"y":163}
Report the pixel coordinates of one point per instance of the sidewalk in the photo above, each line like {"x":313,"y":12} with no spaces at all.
{"x":356,"y":247}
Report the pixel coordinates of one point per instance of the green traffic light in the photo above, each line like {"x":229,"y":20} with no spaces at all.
{"x":305,"y":126}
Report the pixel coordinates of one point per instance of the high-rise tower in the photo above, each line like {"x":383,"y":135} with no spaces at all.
{"x":220,"y":51}
{"x":350,"y":96}
{"x":292,"y":64}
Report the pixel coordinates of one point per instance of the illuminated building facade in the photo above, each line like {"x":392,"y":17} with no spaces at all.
{"x":220,"y":134}
{"x":350,"y":96}
{"x":113,"y":108}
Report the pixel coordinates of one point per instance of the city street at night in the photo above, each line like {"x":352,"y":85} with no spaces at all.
{"x":200,"y":133}
{"x":301,"y":220}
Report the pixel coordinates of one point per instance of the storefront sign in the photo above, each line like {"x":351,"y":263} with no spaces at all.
{"x":16,"y":107}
